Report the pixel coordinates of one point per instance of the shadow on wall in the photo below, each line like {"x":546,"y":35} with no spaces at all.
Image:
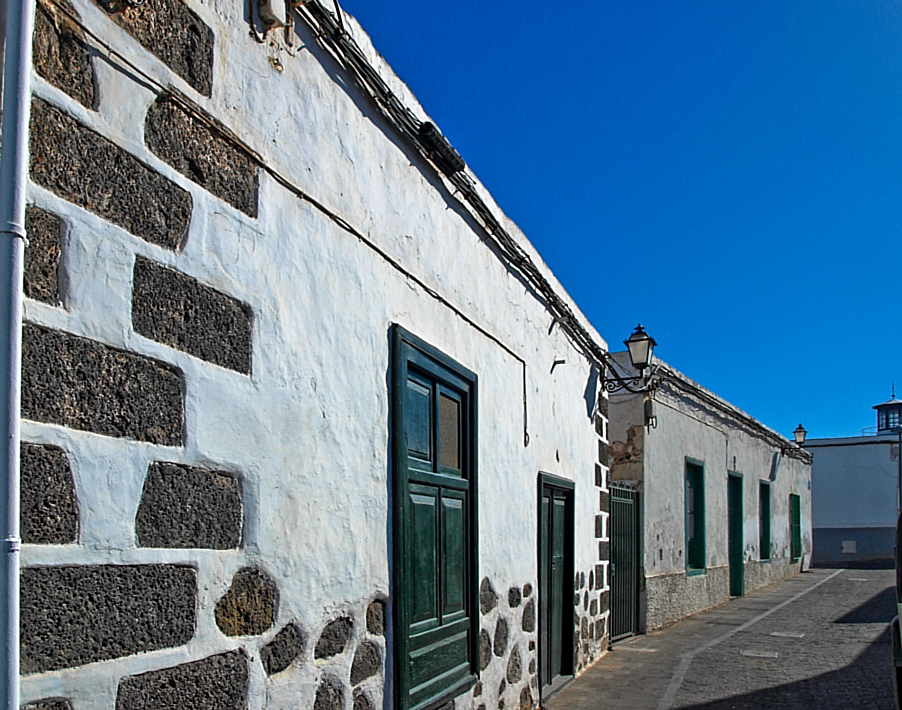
{"x":591,"y":394}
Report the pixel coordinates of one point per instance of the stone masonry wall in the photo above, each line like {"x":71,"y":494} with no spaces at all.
{"x":507,"y":649}
{"x":202,"y":154}
{"x":42,"y":255}
{"x":49,"y":512}
{"x":592,"y":593}
{"x":175,"y":309}
{"x":173,"y":32}
{"x":86,"y":385}
{"x":84,"y":168}
{"x":192,"y":538}
{"x":74,"y":615}
{"x":60,"y":53}
{"x":82,"y":613}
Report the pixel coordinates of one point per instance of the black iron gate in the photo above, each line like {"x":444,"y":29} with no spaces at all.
{"x":624,"y":563}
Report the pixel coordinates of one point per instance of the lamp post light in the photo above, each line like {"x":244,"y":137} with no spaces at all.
{"x":640,"y":346}
{"x":799,"y":434}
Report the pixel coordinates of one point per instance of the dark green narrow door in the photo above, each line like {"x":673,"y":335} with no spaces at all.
{"x":624,"y":563}
{"x":795,"y":526}
{"x":735,"y":542}
{"x":555,"y":571}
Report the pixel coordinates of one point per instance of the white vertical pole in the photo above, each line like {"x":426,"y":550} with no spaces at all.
{"x":13,"y":177}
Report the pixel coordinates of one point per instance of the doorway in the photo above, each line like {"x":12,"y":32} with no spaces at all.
{"x":735,"y":542}
{"x":624,"y":563}
{"x":555,"y":577}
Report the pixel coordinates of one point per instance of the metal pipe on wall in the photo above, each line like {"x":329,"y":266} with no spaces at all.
{"x":13,"y":177}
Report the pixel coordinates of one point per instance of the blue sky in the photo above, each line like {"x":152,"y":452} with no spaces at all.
{"x":729,"y":174}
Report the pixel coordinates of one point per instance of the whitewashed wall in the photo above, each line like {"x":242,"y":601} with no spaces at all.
{"x":690,"y":428}
{"x":307,"y":431}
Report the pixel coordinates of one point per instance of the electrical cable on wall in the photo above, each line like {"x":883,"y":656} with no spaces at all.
{"x":332,"y":35}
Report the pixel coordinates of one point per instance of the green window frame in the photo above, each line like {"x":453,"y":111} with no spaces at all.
{"x":695,"y":516}
{"x":764,"y":520}
{"x":795,"y":526}
{"x":435,"y":536}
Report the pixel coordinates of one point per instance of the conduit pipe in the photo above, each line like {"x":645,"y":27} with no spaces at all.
{"x":13,"y":177}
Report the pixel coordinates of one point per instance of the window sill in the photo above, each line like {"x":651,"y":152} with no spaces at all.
{"x":695,"y":572}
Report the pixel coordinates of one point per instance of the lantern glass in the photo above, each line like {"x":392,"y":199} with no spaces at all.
{"x":641,"y":346}
{"x":799,"y":434}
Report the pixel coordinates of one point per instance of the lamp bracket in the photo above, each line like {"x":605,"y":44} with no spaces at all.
{"x":647,"y":382}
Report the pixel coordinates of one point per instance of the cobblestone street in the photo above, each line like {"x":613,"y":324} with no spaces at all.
{"x":818,"y":640}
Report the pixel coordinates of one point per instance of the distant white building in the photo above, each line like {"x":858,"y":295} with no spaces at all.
{"x":855,"y":491}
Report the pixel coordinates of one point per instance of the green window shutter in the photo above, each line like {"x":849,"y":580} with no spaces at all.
{"x":795,"y":525}
{"x":434,"y":529}
{"x":695,"y":516}
{"x":764,"y":520}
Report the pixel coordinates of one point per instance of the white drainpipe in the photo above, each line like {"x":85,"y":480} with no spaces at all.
{"x":13,"y":179}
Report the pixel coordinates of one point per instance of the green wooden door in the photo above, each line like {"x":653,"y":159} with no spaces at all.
{"x":434,"y":525}
{"x":555,"y":571}
{"x":795,"y":526}
{"x":735,"y":541}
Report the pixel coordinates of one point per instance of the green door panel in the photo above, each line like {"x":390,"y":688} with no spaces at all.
{"x":454,"y":567}
{"x":695,"y":517}
{"x":418,"y":418}
{"x":423,"y":555}
{"x":764,"y":521}
{"x":443,"y":654}
{"x":544,"y":588}
{"x":556,"y":602}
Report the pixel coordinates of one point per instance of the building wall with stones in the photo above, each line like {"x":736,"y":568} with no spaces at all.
{"x":692,"y":423}
{"x":222,"y":233}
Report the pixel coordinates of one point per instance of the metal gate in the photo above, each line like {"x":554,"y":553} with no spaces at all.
{"x":624,"y":563}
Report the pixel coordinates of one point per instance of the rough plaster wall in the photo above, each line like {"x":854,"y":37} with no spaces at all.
{"x":306,"y":433}
{"x":627,"y":434}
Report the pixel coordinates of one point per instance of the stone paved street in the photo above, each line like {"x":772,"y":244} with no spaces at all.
{"x":818,"y":640}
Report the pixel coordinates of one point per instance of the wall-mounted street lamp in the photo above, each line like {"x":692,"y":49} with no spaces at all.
{"x":640,"y":346}
{"x":799,"y":435}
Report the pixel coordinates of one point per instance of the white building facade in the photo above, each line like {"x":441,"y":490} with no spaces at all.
{"x":724,"y":501}
{"x":307,"y":422}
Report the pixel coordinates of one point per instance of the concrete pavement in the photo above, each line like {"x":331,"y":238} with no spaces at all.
{"x":818,"y":640}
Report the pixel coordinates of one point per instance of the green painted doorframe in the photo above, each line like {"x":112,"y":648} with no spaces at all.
{"x":435,"y":592}
{"x":556,"y":571}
